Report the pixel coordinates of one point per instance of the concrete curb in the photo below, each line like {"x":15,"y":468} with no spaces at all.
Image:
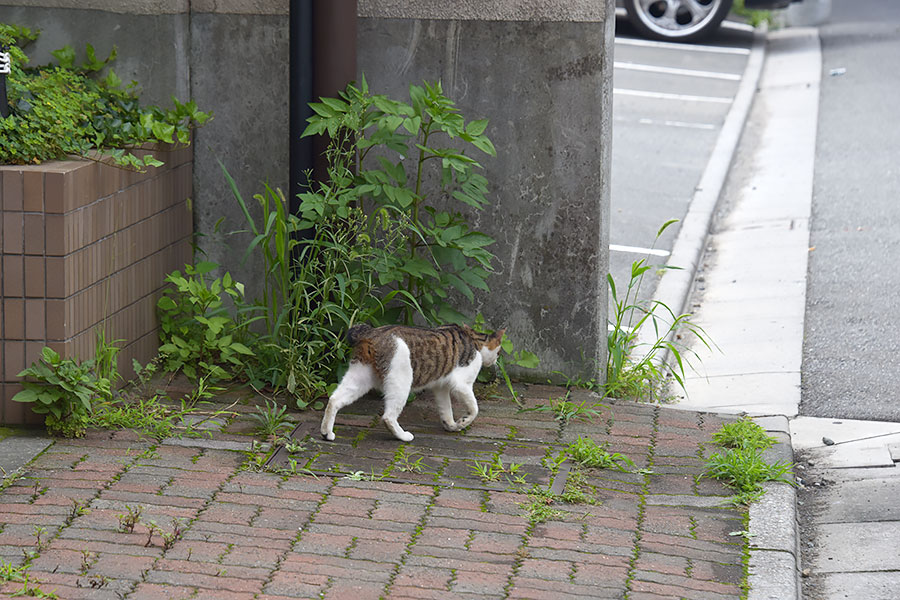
{"x":774,"y":527}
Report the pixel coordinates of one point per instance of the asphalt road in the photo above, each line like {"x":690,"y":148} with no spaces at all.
{"x":851,"y":355}
{"x":670,"y":101}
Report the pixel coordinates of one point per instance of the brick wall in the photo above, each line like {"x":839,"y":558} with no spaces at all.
{"x":85,"y":245}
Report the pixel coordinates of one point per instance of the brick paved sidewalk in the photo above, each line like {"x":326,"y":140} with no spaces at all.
{"x":369,"y":517}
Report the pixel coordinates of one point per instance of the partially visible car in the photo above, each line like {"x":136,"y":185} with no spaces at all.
{"x":685,"y":20}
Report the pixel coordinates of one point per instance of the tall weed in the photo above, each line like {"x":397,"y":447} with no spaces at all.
{"x":635,"y":369}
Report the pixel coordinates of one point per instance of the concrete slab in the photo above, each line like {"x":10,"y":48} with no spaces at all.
{"x":785,"y":292}
{"x":735,"y":310}
{"x":857,"y":547}
{"x":879,"y":585}
{"x":756,"y":393}
{"x":852,"y":455}
{"x":861,"y":501}
{"x":17,"y":450}
{"x":807,"y":432}
{"x":751,"y":356}
{"x":894,"y":449}
{"x":862,"y":473}
{"x":726,"y":331}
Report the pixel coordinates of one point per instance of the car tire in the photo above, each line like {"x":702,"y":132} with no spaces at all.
{"x":676,"y":20}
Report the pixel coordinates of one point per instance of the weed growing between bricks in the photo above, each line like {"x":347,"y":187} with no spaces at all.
{"x":642,"y":507}
{"x":742,"y":465}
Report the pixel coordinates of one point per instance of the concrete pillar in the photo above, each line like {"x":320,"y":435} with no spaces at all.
{"x":541,"y":72}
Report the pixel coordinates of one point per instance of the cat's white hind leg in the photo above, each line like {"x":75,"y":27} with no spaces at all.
{"x":396,"y":388}
{"x":359,"y":379}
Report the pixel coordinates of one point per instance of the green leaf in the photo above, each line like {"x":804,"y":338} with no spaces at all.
{"x":26,"y":395}
{"x":475,"y":277}
{"x":166,"y":303}
{"x":419,"y":268}
{"x":65,"y":56}
{"x":460,"y":286}
{"x":241,"y":349}
{"x":49,"y":355}
{"x":151,"y":161}
{"x":526,"y":359}
{"x":338,"y":106}
{"x":485,"y":145}
{"x":474,"y":240}
{"x":476,"y":127}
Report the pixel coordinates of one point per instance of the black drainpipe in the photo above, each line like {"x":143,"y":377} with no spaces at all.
{"x":322,"y":63}
{"x":300,"y":95}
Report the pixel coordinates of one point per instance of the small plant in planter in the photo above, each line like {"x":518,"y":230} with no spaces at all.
{"x":68,"y":109}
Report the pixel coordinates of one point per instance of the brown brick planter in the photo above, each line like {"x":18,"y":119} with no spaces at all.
{"x":85,"y":245}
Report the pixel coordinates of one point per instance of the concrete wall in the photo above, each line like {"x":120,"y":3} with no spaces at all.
{"x":540,"y":70}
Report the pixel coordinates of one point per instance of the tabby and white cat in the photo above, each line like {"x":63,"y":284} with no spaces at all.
{"x":397,"y":359}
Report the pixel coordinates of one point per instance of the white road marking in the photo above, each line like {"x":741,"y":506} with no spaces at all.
{"x":738,"y":25}
{"x":630,"y":66}
{"x":685,"y":124}
{"x":667,"y":96}
{"x":686,"y":47}
{"x":638,"y":250}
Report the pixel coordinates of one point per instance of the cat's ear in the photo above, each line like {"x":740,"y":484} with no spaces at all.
{"x":495,"y":339}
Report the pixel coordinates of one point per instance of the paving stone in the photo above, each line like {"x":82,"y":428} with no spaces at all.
{"x":438,"y":534}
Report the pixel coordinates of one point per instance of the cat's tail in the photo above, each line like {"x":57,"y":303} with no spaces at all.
{"x":358,"y":332}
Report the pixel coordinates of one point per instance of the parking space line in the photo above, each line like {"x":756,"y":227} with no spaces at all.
{"x":667,"y":96}
{"x":685,"y":124}
{"x":686,"y":47}
{"x":630,"y":66}
{"x":638,"y":250}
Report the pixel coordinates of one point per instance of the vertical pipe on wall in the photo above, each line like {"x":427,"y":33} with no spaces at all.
{"x":334,"y":58}
{"x":301,"y":94}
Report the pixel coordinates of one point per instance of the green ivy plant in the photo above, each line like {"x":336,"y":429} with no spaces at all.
{"x":198,"y":335}
{"x":63,"y":109}
{"x":64,"y":391}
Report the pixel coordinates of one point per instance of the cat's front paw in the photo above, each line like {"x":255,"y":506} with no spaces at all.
{"x":328,"y":435}
{"x":464,"y":422}
{"x":405,"y":436}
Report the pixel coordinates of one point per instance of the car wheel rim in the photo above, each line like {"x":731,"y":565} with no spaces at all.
{"x":677,"y":18}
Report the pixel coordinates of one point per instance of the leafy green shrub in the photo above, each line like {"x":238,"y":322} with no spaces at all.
{"x":377,"y":250}
{"x":64,"y":109}
{"x":373,"y":138}
{"x":64,"y":391}
{"x":198,"y":335}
